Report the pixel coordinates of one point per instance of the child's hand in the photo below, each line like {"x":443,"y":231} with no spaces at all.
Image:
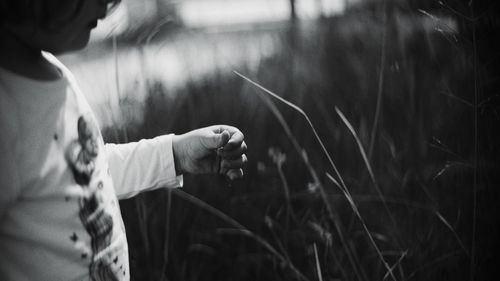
{"x":215,"y":149}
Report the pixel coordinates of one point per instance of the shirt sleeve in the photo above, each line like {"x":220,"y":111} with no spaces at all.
{"x":142,"y":166}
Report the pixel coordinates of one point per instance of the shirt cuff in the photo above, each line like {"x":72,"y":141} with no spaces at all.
{"x":170,"y":178}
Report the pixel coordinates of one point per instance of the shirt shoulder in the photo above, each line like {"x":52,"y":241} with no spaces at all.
{"x":29,"y":113}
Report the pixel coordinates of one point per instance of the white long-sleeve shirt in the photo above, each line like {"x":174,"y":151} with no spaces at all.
{"x":59,"y":183}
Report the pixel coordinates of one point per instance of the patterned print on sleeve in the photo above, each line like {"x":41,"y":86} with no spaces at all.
{"x":81,"y":156}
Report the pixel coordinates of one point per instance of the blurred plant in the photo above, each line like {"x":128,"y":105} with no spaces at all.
{"x":413,"y":223}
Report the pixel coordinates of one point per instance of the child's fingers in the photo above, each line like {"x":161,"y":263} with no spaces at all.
{"x":235,"y":141}
{"x":230,"y":164}
{"x":233,"y":153}
{"x":234,"y":174}
{"x":236,"y":138}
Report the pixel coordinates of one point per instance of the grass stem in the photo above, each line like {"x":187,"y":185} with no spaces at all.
{"x":380,"y":84}
{"x":474,"y":202}
{"x":365,"y":227}
{"x":336,"y":222}
{"x":318,"y":266}
{"x":240,"y":229}
{"x":369,"y":168}
{"x":342,"y":186}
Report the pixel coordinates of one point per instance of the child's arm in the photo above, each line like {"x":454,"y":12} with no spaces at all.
{"x":141,"y":166}
{"x":160,"y":162}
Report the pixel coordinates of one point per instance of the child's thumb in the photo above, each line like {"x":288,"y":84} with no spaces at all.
{"x":219,"y":140}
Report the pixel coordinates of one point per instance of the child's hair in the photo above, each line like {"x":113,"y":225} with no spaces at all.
{"x":49,"y":14}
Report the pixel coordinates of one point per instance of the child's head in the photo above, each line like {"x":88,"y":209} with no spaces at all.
{"x":56,"y":26}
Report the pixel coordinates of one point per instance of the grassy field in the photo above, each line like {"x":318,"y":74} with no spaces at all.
{"x":397,"y":97}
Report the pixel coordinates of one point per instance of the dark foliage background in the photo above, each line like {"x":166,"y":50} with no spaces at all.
{"x":431,"y":70}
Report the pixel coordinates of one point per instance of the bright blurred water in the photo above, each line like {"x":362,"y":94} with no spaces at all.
{"x":106,"y":76}
{"x":216,"y":36}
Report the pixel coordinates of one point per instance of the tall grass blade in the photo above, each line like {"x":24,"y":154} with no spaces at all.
{"x":270,"y":224}
{"x":361,"y":149}
{"x":380,"y":83}
{"x":438,"y":144}
{"x":316,"y":259}
{"x":403,"y":255}
{"x":448,"y":166}
{"x":266,"y":245}
{"x":448,"y":225}
{"x":342,"y":186}
{"x":367,"y":231}
{"x":433,"y":263}
{"x":451,"y":95}
{"x":167,"y":233}
{"x":143,"y":224}
{"x":368,"y":166}
{"x":286,"y":191}
{"x":303,"y":154}
{"x":298,"y":109}
{"x":239,"y":229}
{"x":474,"y":203}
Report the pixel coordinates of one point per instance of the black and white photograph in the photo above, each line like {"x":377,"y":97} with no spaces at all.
{"x":249,"y":140}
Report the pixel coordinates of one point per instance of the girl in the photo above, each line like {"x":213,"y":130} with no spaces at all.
{"x":59,"y":182}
